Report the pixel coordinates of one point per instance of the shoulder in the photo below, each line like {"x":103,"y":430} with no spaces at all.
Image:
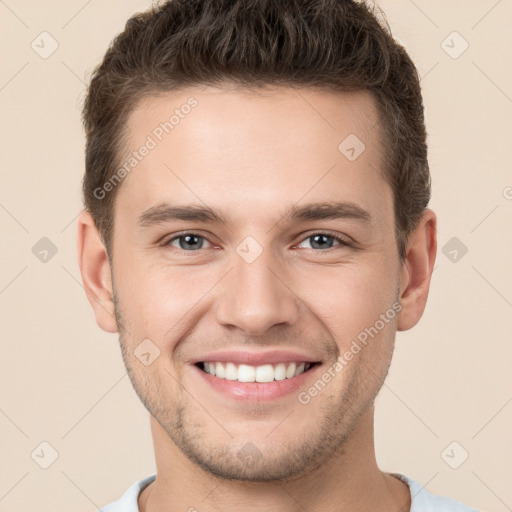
{"x":128,"y":501}
{"x":424,"y":501}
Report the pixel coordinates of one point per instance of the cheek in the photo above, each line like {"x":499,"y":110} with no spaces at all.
{"x":350,"y":299}
{"x":158,"y":298}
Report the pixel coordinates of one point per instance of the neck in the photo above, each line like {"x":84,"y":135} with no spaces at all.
{"x":348,"y":480}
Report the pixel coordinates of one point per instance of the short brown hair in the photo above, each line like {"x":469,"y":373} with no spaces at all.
{"x":338,"y":45}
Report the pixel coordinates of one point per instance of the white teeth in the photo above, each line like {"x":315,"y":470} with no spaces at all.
{"x":231,"y":372}
{"x":290,"y":370}
{"x":263,"y":373}
{"x":300,"y":369}
{"x":220,"y":370}
{"x":280,"y":371}
{"x":246,"y":373}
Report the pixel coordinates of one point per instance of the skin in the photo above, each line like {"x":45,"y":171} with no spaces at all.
{"x":236,"y":151}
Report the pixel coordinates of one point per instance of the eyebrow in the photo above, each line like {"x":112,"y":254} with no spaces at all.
{"x":165,"y":212}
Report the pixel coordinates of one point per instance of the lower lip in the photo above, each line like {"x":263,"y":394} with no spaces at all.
{"x":258,"y":390}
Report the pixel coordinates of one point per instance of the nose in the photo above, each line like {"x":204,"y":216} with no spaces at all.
{"x":255,"y":297}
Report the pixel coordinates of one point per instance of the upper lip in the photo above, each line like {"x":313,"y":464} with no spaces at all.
{"x":256,"y":358}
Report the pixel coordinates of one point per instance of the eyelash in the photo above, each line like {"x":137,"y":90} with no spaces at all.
{"x":342,"y":241}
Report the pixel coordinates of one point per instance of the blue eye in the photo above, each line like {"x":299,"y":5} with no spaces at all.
{"x":324,"y":241}
{"x":191,"y":242}
{"x":188,"y":242}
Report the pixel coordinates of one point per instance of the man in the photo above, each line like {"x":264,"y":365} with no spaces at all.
{"x":256,"y":229}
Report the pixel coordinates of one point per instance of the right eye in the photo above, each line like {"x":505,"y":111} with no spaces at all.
{"x":188,"y":242}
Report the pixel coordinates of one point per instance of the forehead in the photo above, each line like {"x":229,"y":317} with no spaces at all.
{"x":250,"y":150}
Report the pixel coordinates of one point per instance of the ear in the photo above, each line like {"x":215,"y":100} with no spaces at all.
{"x":417,"y":270}
{"x":95,"y":270}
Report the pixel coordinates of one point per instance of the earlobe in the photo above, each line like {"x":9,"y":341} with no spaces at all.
{"x":95,"y":271}
{"x":417,"y":270}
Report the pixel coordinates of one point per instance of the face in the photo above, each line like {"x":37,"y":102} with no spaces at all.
{"x":254,"y":241}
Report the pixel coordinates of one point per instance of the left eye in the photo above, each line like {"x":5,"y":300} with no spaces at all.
{"x":324,"y":240}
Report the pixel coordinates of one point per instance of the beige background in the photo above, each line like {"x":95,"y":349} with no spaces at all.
{"x":62,"y":378}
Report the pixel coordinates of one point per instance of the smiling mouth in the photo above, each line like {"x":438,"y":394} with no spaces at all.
{"x":261,"y":374}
